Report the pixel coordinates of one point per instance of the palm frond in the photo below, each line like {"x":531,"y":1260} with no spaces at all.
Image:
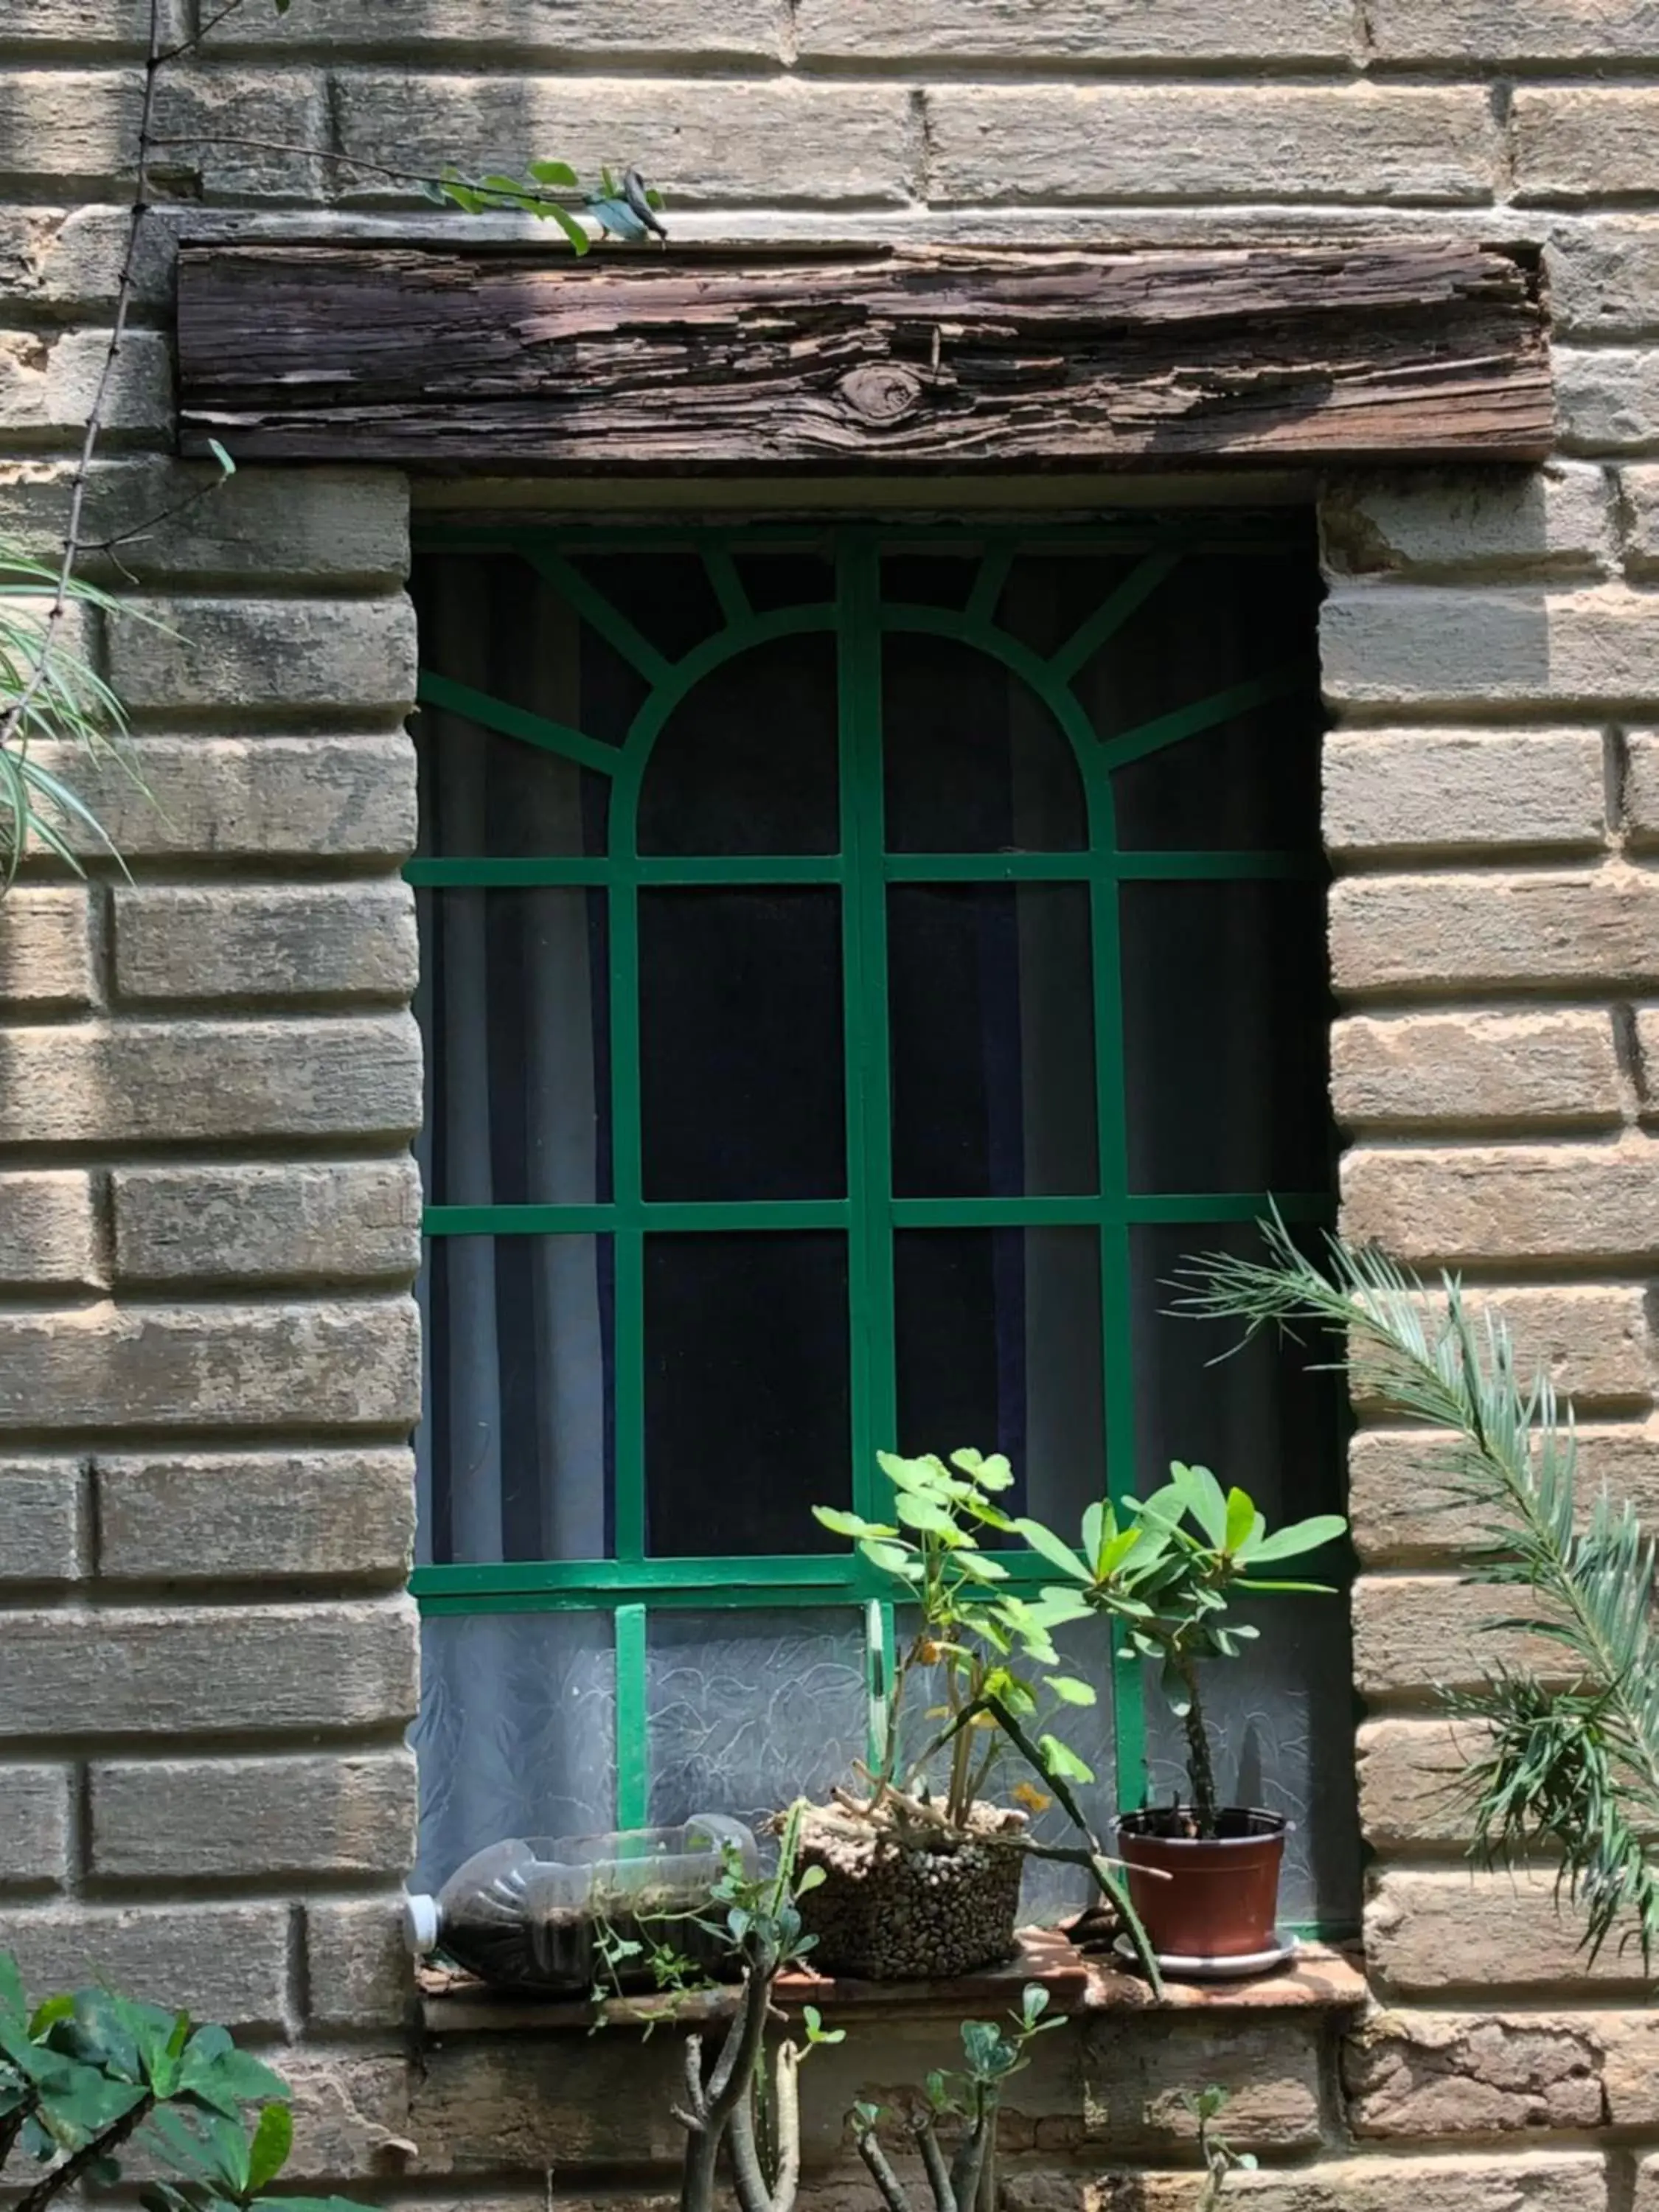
{"x":1573,"y":1772}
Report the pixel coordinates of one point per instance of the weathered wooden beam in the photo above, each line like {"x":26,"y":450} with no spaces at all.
{"x":905,"y":359}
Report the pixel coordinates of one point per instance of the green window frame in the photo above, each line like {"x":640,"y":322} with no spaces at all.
{"x":630,"y":1584}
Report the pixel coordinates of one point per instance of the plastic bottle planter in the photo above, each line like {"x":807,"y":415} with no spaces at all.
{"x":1207,"y":1904}
{"x":898,"y":1906}
{"x":531,"y":1914}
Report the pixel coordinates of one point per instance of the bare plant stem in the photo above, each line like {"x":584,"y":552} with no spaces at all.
{"x":69,"y":2172}
{"x":1200,"y":1771}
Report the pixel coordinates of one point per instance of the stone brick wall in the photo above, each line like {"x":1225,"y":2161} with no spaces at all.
{"x":209,"y":1076}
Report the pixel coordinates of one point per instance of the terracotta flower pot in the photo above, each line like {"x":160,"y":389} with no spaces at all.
{"x":1220,"y":1899}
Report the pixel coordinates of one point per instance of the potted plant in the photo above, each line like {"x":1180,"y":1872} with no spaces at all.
{"x":1203,"y":1876}
{"x":923,"y":1869}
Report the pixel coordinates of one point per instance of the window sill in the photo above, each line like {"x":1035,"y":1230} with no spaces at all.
{"x":1320,"y":1978}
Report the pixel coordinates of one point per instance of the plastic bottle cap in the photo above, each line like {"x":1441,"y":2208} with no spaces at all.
{"x":420,"y":1923}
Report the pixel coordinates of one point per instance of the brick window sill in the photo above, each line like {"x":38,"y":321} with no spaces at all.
{"x":1319,"y":1978}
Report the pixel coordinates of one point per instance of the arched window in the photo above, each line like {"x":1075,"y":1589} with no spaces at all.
{"x":858,"y":967}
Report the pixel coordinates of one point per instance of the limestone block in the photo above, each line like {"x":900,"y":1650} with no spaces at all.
{"x":269,"y":799}
{"x":1412,"y":1782}
{"x":1582,"y":142}
{"x":1388,"y":643}
{"x":161,"y":1671}
{"x":1428,"y":1930}
{"x":522,"y":2104}
{"x":180,"y":1818}
{"x":1496,"y":31}
{"x":1606,"y":402}
{"x":350,"y":2114}
{"x":45,"y":957}
{"x":255,"y":1515}
{"x":1641,"y":789}
{"x":124,"y":25}
{"x":298,"y":526}
{"x":1435,"y":1632}
{"x":345,"y":1365}
{"x":66,"y":124}
{"x":1408,"y":2074}
{"x":34,"y":1823}
{"x":47,"y":385}
{"x":1530,"y":2181}
{"x":1594,"y":1337}
{"x":1202,"y":142}
{"x":134,"y":1082}
{"x":40,"y":1514}
{"x":47,"y":1236}
{"x":1403,"y":932}
{"x":1554,"y":519}
{"x":226,"y":1963}
{"x":559,"y":30}
{"x":721,"y":140}
{"x":1638,"y":500}
{"x":1423,"y":1070}
{"x":1492,"y":1201}
{"x":250,"y":654}
{"x":1070,"y":31}
{"x":358,"y":1972}
{"x":79,"y":125}
{"x":1447,"y":791}
{"x":265,"y":942}
{"x":70,"y":258}
{"x":1133,"y":2083}
{"x":1401,"y":1507}
{"x":1603,"y":273}
{"x":336,"y":1221}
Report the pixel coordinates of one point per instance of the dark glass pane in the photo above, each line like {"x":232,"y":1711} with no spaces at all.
{"x":1051,"y":592}
{"x":1260,"y":1414}
{"x":747,"y":1391}
{"x":516,"y":1734}
{"x":1225,"y":1016}
{"x":749,"y":1709}
{"x":975,"y":761}
{"x":515,"y":1449}
{"x":486,"y":796}
{"x":990,"y":1009}
{"x":999,"y":1346}
{"x":666,"y":597}
{"x":514,"y":1001}
{"x":747,"y":763}
{"x":929,"y":578}
{"x":493,"y":622}
{"x":1251,"y":783}
{"x":790,"y":576}
{"x":741,"y":1050}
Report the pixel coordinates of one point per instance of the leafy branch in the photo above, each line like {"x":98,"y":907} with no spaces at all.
{"x":1573,"y":1767}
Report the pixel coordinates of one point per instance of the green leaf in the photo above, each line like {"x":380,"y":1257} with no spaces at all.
{"x":273,"y":2139}
{"x":979,"y":1567}
{"x":1063,"y":1762}
{"x":1045,"y":1541}
{"x":809,"y":1879}
{"x":849,"y":1524}
{"x":54,"y":2008}
{"x":558,"y":173}
{"x":1240,"y":1518}
{"x":226,"y":466}
{"x":1070,"y":1691}
{"x":1203,"y":1498}
{"x":892,"y":1559}
{"x":924,"y":1514}
{"x":12,"y":1999}
{"x":1301,"y":1536}
{"x":1099,"y":1523}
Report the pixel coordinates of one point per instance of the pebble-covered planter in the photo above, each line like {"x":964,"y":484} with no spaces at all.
{"x":894,"y":1909}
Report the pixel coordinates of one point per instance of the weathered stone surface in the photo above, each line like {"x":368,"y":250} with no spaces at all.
{"x":1420,"y":1070}
{"x":47,"y":385}
{"x":1557,"y":519}
{"x":335,"y":1221}
{"x":564,"y":2102}
{"x":125,"y":24}
{"x":358,"y":1970}
{"x":350,"y":2114}
{"x":1399,"y":1507}
{"x":219,"y":1962}
{"x":1500,"y":31}
{"x":1606,"y":402}
{"x":45,"y":958}
{"x":1402,"y":933}
{"x":1004,"y":143}
{"x":559,"y":30}
{"x":1387,"y":643}
{"x":265,"y":797}
{"x":1530,"y":2181}
{"x":1604,"y":275}
{"x":1583,"y":143}
{"x":1420,"y":2073}
{"x":344,"y":1813}
{"x":64,"y":122}
{"x":1639,"y":503}
{"x":47,"y":1239}
{"x":1071,"y":31}
{"x":1429,"y":1932}
{"x":290,"y":943}
{"x":255,"y":1515}
{"x":1447,"y":791}
{"x":1493,"y":1201}
{"x":40,"y":1514}
{"x":300,"y":525}
{"x":70,"y":258}
{"x":35,"y":1824}
{"x":1133,"y":2083}
{"x":135,"y":1083}
{"x":342,"y":1365}
{"x":1640,"y":795}
{"x":1420,"y":1632}
{"x":345,"y":655}
{"x":1594,"y":1337}
{"x":79,"y":127}
{"x":1412,"y":1786}
{"x":154,"y":1671}
{"x":714,"y":140}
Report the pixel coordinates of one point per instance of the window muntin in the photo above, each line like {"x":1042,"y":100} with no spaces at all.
{"x":778,"y":783}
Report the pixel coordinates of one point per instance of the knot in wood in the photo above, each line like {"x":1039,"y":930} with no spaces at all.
{"x":880,"y":392}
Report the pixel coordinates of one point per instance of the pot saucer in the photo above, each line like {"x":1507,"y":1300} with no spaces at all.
{"x":1282,"y":1950}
